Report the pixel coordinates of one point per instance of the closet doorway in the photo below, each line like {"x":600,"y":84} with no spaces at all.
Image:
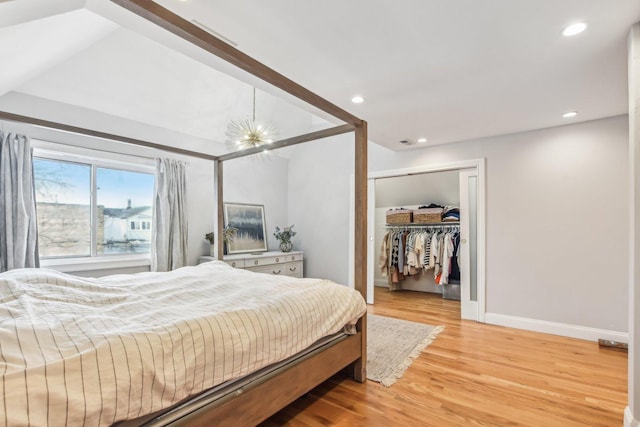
{"x":460,"y":184}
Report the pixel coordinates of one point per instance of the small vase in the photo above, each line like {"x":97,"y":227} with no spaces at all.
{"x":286,"y":246}
{"x":212,"y":250}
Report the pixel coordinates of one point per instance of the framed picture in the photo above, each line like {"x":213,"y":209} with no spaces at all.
{"x":249,"y":220}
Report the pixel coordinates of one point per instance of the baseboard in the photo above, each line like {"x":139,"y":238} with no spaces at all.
{"x":629,"y":421}
{"x":562,"y":329}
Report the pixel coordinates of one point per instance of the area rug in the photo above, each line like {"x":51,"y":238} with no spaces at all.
{"x":393,"y":344}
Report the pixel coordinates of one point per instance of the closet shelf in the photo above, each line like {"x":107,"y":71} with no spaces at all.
{"x":426,"y":224}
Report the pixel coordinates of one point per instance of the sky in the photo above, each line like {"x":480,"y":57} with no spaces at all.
{"x":70,"y":183}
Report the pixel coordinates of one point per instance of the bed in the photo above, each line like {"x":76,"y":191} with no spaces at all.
{"x":77,"y":351}
{"x":242,"y":401}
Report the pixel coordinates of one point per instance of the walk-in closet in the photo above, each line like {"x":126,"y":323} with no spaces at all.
{"x":424,"y":234}
{"x":397,"y":201}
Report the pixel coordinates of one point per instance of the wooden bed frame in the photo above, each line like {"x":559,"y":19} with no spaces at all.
{"x":251,"y":405}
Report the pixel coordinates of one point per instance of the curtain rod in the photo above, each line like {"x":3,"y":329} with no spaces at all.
{"x":103,"y":135}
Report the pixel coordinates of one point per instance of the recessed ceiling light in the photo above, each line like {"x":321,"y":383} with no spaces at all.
{"x":357,"y":99}
{"x":574,"y":29}
{"x":570,"y":114}
{"x":422,"y":140}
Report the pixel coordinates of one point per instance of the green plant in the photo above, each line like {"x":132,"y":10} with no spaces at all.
{"x":210,"y":237}
{"x":284,"y":235}
{"x":228,"y":233}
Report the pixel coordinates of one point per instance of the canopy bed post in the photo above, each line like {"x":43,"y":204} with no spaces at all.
{"x":359,"y":367}
{"x":218,"y":173}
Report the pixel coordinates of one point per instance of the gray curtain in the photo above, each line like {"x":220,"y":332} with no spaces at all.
{"x":169,"y":234}
{"x":18,"y":223}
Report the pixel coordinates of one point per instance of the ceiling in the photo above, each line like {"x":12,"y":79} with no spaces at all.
{"x":443,"y":70}
{"x":93,"y":64}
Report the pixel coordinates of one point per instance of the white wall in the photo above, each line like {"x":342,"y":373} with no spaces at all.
{"x":260,"y":180}
{"x":556,"y":216}
{"x":442,"y":188}
{"x":319,"y":174}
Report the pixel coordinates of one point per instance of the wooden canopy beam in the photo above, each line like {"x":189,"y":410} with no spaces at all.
{"x":179,"y":26}
{"x":324,"y":133}
{"x":4,"y":115}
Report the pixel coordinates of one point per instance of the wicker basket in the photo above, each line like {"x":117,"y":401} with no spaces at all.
{"x":399,"y":216}
{"x":427,"y":215}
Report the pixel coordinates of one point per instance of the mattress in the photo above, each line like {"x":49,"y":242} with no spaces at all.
{"x":77,"y":351}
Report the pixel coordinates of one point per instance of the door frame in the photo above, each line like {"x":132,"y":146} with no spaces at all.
{"x":479,"y":165}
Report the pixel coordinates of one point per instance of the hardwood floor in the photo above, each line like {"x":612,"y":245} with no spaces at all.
{"x":475,"y":374}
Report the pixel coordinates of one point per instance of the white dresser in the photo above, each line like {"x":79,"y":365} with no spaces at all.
{"x":274,"y":262}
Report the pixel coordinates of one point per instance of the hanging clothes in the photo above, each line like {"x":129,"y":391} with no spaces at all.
{"x":447,"y":253}
{"x":383,"y":259}
{"x":414,"y":251}
{"x":455,"y":263}
{"x":435,"y":251}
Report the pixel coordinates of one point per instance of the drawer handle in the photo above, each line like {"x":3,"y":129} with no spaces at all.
{"x":277,"y":259}
{"x":233,"y":264}
{"x":277,"y":272}
{"x":255,"y":262}
{"x":293,"y":257}
{"x":292,"y":268}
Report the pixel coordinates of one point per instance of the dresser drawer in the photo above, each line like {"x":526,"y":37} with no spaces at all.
{"x":275,"y":262}
{"x":268,"y":269}
{"x":293,"y":257}
{"x":293,"y":269}
{"x":268,"y":260}
{"x":237,"y":263}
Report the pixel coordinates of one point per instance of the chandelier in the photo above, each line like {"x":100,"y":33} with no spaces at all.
{"x":249,"y":133}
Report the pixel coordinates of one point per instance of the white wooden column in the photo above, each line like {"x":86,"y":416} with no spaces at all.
{"x":632,"y":412}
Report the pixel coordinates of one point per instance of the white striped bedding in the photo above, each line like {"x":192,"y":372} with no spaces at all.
{"x":77,"y":351}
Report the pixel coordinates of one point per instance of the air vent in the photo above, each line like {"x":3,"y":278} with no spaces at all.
{"x":406,"y":141}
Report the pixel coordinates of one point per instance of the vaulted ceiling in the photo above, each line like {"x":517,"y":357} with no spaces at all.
{"x":443,"y":70}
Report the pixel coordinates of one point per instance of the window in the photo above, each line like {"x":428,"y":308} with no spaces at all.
{"x":63,"y":196}
{"x":84,"y":207}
